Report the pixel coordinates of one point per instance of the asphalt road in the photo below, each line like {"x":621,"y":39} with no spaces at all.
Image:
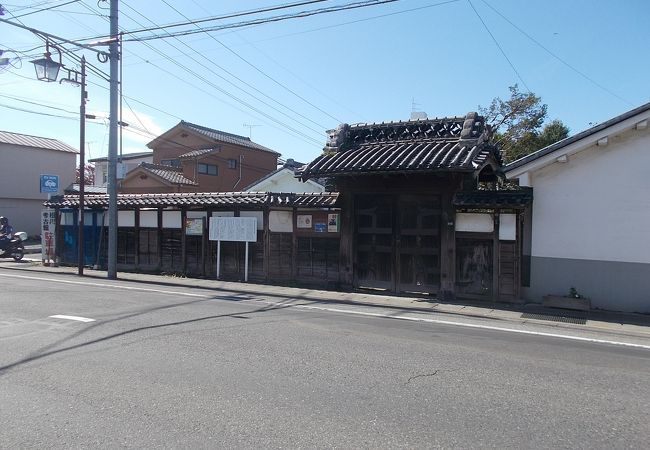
{"x":172,"y":367}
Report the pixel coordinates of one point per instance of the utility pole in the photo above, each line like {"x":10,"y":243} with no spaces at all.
{"x":112,"y":143}
{"x":82,"y":164}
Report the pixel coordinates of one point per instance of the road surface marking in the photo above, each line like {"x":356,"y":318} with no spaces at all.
{"x":106,"y":285}
{"x":461,"y":324}
{"x":77,"y":318}
{"x":349,"y":311}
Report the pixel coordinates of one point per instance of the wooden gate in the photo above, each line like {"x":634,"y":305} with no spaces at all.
{"x":398,"y":243}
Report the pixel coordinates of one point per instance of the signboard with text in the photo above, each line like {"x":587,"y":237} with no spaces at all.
{"x":48,"y":234}
{"x":50,"y":184}
{"x":233,"y":229}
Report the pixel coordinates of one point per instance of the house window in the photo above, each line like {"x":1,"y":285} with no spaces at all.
{"x":208,"y":169}
{"x":171,"y":162}
{"x":232,"y":163}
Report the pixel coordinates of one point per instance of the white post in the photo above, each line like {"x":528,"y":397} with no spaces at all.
{"x":218,"y":259}
{"x":246,"y":262}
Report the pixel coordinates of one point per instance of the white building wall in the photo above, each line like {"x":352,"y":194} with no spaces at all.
{"x":20,"y":197}
{"x":285,"y":181}
{"x":596,"y":206}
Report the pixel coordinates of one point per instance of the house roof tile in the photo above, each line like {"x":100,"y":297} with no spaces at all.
{"x":125,"y":157}
{"x":170,"y":174}
{"x":449,"y":144}
{"x":25,"y":140}
{"x":201,"y":199}
{"x":222,"y":136}
{"x":197,"y":153}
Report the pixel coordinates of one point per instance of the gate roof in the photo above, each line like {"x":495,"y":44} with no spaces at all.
{"x":457,"y":144}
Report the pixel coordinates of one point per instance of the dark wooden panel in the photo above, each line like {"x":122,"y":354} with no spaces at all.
{"x":280,"y":255}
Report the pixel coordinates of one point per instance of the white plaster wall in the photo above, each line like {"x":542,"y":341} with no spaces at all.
{"x":21,"y":169}
{"x":101,"y":168}
{"x":597,"y":205}
{"x":284,"y":181}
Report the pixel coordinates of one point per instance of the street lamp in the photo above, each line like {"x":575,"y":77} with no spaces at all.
{"x":48,"y":70}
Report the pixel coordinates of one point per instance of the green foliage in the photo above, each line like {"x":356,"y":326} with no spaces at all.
{"x":573,"y":293}
{"x":517,"y":124}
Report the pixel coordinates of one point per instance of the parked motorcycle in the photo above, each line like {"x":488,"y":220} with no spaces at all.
{"x":15,"y":248}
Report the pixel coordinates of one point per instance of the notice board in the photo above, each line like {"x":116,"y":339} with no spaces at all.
{"x":233,"y":229}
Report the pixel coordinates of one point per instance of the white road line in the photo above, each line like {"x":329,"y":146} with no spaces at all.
{"x":77,"y":318}
{"x":466,"y":325}
{"x":106,"y":285}
{"x":349,"y":311}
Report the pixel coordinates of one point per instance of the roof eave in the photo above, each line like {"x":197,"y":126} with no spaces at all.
{"x":576,"y":143}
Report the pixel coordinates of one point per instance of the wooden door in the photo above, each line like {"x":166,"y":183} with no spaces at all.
{"x":418,"y":244}
{"x":374,"y":242}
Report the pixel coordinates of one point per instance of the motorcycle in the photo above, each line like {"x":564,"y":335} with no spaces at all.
{"x":15,"y":248}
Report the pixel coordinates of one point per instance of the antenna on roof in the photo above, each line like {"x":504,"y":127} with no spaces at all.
{"x":416,"y":113}
{"x":250,"y":127}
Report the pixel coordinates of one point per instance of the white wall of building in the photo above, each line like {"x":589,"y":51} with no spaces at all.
{"x":285,"y":181}
{"x":101,"y":168}
{"x":596,"y":206}
{"x":20,"y":171}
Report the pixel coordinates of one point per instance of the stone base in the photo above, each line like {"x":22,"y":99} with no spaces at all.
{"x":558,"y":301}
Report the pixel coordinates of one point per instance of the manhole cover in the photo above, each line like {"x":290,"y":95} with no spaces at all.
{"x":577,"y":318}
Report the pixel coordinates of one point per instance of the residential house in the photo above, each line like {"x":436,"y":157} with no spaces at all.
{"x":193,"y":158}
{"x":589,"y":223}
{"x":129,"y":162}
{"x":24,"y":159}
{"x":284,"y":180}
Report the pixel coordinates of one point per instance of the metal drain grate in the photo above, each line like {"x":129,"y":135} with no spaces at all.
{"x":577,"y":318}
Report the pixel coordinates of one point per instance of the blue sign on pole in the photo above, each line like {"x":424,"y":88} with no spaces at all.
{"x":50,"y":183}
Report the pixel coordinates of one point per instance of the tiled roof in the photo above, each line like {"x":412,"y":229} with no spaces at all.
{"x":124,"y":157}
{"x":197,"y":153}
{"x":222,"y":136}
{"x":493,"y":199}
{"x":74,"y":188}
{"x":25,"y":140}
{"x":170,"y":174}
{"x":201,"y":199}
{"x":451,"y":144}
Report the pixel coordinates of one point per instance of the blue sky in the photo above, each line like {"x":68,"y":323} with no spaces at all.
{"x":586,"y":59}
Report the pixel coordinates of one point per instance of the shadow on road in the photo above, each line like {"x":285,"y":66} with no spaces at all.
{"x":49,"y":350}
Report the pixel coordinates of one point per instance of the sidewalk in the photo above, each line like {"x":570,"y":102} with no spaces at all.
{"x":612,"y":322}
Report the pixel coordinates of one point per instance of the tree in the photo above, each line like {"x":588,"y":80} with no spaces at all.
{"x":517,"y":124}
{"x":89,"y":175}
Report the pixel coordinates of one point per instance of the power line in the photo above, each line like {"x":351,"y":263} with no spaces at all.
{"x":228,"y":16}
{"x":300,"y":15}
{"x":351,"y":22}
{"x":499,"y":46}
{"x":286,"y":128}
{"x":228,"y":94}
{"x":582,"y":74}
{"x":258,"y":69}
{"x":322,"y":128}
{"x":46,"y":9}
{"x":19,"y":99}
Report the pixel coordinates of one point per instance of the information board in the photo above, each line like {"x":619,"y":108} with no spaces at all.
{"x":233,"y":229}
{"x":50,"y":184}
